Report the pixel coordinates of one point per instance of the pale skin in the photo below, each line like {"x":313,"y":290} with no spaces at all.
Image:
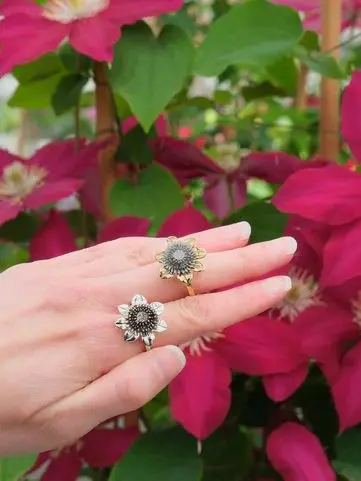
{"x":64,"y":366}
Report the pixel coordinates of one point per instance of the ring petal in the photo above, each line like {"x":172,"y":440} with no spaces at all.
{"x":139,"y":299}
{"x":123,"y":309}
{"x":122,"y":324}
{"x":130,"y":336}
{"x":162,"y":326}
{"x":158,"y":307}
{"x":148,"y":340}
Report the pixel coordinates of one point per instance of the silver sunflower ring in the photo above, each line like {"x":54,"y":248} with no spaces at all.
{"x":141,"y":320}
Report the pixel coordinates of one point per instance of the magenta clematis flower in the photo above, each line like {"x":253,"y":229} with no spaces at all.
{"x":297,"y":454}
{"x":311,"y":9}
{"x":320,"y":323}
{"x":99,"y":448}
{"x":55,"y":237}
{"x":30,"y":30}
{"x":53,"y":173}
{"x":350,"y":123}
{"x":224,"y":190}
{"x":257,"y":347}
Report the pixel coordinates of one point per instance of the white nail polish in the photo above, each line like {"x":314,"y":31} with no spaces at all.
{"x":291,"y":245}
{"x":245,"y":229}
{"x":278,"y":285}
{"x":179,"y":353}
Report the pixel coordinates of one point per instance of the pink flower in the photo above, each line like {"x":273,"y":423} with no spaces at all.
{"x":297,"y":454}
{"x":312,"y":10}
{"x":351,"y":124}
{"x":99,"y":448}
{"x":54,"y":172}
{"x":330,"y":195}
{"x":30,"y":30}
{"x":224,"y":190}
{"x":55,"y":237}
{"x":183,"y":222}
{"x":346,"y":390}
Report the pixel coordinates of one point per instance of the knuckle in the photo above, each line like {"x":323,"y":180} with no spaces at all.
{"x":195,"y":310}
{"x":63,"y":296}
{"x":136,"y":252}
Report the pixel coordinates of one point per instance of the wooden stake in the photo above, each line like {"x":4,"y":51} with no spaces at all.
{"x":104,"y":130}
{"x":330,"y":88}
{"x":301,"y":96}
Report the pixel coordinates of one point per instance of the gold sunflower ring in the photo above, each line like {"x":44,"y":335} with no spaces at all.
{"x":180,"y":259}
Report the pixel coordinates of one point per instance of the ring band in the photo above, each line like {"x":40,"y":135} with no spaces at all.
{"x":180,"y":259}
{"x":141,"y":320}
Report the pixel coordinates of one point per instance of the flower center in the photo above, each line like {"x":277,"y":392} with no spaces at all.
{"x":67,"y":11}
{"x":19,"y":180}
{"x":304,"y":294}
{"x":179,"y":258}
{"x":201,"y":343}
{"x":142,"y":319}
{"x":179,"y":255}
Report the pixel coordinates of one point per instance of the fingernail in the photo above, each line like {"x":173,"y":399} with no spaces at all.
{"x":291,"y":245}
{"x":279,"y":284}
{"x":180,"y":355}
{"x":245,"y":229}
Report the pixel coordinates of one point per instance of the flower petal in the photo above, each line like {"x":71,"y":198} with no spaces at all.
{"x":162,"y":326}
{"x":206,"y":380}
{"x":351,"y":125}
{"x":159,"y":257}
{"x":123,"y":309}
{"x":104,"y":447}
{"x":130,"y":336}
{"x":260,"y":346}
{"x":198,"y":267}
{"x":158,"y":307}
{"x":126,"y":11}
{"x":201,"y":253}
{"x":122,"y":324}
{"x":148,"y":340}
{"x":54,"y":238}
{"x":164,"y":274}
{"x":313,"y":194}
{"x":297,"y":455}
{"x":9,"y":210}
{"x":52,"y":192}
{"x":184,"y":222}
{"x":171,"y":240}
{"x":281,"y":386}
{"x":139,"y":299}
{"x":65,"y":466}
{"x":124,"y":227}
{"x":273,"y":167}
{"x":346,"y":390}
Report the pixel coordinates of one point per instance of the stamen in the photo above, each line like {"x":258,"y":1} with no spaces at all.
{"x":67,"y":11}
{"x":19,"y":180}
{"x":199,"y":344}
{"x":304,"y":294}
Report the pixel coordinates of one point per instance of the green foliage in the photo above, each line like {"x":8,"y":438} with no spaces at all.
{"x":13,"y":467}
{"x":154,"y":194}
{"x":134,"y":147}
{"x":165,"y":455}
{"x":348,"y":459}
{"x":67,"y":92}
{"x":148,"y":71}
{"x":266,"y":221}
{"x":245,"y":36}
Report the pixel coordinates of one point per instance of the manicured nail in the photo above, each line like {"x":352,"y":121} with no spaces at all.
{"x":245,"y":229}
{"x":279,"y":284}
{"x":180,"y":355}
{"x":291,"y":245}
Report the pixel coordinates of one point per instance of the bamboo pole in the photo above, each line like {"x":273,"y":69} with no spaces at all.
{"x":301,"y":95}
{"x":330,"y":88}
{"x":104,"y":130}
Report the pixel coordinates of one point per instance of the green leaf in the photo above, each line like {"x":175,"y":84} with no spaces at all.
{"x":155,"y":195}
{"x":169,"y":455}
{"x":20,"y":229}
{"x":67,"y":92}
{"x":134,"y":147}
{"x":266,"y":221}
{"x":255,"y":33}
{"x":348,"y":460}
{"x":227,"y":455}
{"x":310,"y":41}
{"x":73,"y":60}
{"x":42,"y":68}
{"x":320,"y":63}
{"x":13,"y":467}
{"x":148,"y":71}
{"x":35,"y":95}
{"x":263,"y":90}
{"x":11,"y":255}
{"x":284,"y":74}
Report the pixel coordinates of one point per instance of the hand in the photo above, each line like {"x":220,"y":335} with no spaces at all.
{"x":64,"y":367}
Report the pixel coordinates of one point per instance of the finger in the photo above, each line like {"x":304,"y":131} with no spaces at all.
{"x":132,"y":252}
{"x":125,"y":388}
{"x":222,"y":269}
{"x":186,"y":318}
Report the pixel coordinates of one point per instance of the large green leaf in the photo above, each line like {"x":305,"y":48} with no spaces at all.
{"x":266,"y":221}
{"x":13,"y":467}
{"x":348,"y":459}
{"x":255,"y":33}
{"x":37,"y":94}
{"x":155,"y":195}
{"x":44,"y":67}
{"x":319,"y":62}
{"x":67,"y":92}
{"x":169,"y":455}
{"x":148,"y":71}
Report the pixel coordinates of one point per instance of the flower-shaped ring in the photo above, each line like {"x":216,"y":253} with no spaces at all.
{"x":141,"y":320}
{"x":180,"y":259}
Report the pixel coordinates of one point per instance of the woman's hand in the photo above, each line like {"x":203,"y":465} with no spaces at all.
{"x":64,"y":367}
